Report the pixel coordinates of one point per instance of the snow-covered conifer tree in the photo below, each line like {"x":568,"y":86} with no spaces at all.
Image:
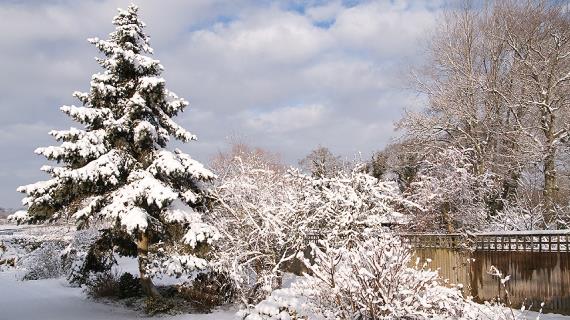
{"x":116,"y":168}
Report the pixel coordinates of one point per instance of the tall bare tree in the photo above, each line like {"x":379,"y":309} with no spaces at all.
{"x":538,"y":36}
{"x":496,"y":80}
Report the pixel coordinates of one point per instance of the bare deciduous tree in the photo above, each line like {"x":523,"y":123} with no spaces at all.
{"x":538,"y":36}
{"x":321,"y":163}
{"x":497,"y":82}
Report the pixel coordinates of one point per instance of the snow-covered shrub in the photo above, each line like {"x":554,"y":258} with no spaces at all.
{"x":28,"y":243}
{"x":158,"y":305}
{"x":110,"y":284}
{"x":342,"y":208}
{"x":370,"y":280}
{"x":252,"y":212}
{"x":44,"y":262}
{"x":518,"y":214}
{"x":175,"y":260}
{"x":83,"y":258}
{"x":266,"y":214}
{"x":527,"y":209}
{"x":129,"y":286}
{"x":286,"y":303}
{"x":19,"y":217}
{"x":452,"y":195}
{"x":8,"y":255}
{"x":103,"y":285}
{"x":207,"y":290}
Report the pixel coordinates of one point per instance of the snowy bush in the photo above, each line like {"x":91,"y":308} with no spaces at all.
{"x":374,"y":280}
{"x":103,"y":285}
{"x":207,"y":290}
{"x":370,"y":280}
{"x":252,"y":213}
{"x":452,"y":195}
{"x":342,"y":208}
{"x":527,"y":209}
{"x":266,"y":214}
{"x":110,"y":284}
{"x":83,"y":259}
{"x":518,"y":215}
{"x":286,"y":303}
{"x":18,"y":217}
{"x":32,"y":248}
{"x":174,"y":260}
{"x":44,"y":262}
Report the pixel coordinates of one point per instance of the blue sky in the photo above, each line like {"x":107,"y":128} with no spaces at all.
{"x":282,"y":75}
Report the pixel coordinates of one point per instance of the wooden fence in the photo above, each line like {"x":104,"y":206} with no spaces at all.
{"x":522,"y":241}
{"x":537,"y":261}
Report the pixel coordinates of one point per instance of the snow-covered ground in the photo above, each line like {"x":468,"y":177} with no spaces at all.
{"x":534,"y":315}
{"x":54,"y":300}
{"x":50,"y":299}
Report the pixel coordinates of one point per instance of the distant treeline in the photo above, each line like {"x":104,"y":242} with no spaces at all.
{"x":4,"y":212}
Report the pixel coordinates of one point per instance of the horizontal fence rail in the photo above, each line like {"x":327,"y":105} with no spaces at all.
{"x":312,"y":238}
{"x":529,"y":243}
{"x":428,"y":240}
{"x":512,"y":241}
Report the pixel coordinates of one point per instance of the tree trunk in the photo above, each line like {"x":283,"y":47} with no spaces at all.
{"x":446,"y":214}
{"x":146,"y":282}
{"x":550,"y":187}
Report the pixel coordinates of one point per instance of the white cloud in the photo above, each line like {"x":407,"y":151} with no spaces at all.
{"x":346,"y":75}
{"x":382,"y":29}
{"x":270,"y":36}
{"x":288,"y":119}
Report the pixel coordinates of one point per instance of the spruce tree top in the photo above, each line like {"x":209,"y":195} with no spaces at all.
{"x":116,"y":167}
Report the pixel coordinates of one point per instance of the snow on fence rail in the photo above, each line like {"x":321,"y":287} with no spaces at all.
{"x":513,"y":241}
{"x":523,"y":241}
{"x":312,"y":238}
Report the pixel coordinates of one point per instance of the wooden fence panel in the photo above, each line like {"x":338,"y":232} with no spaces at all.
{"x":538,"y":263}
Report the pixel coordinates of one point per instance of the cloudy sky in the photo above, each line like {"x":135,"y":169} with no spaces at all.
{"x":284,"y":75}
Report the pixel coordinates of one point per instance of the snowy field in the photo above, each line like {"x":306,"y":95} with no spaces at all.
{"x":54,"y":299}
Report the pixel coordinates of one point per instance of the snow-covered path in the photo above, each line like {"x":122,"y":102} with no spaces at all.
{"x":53,"y":300}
